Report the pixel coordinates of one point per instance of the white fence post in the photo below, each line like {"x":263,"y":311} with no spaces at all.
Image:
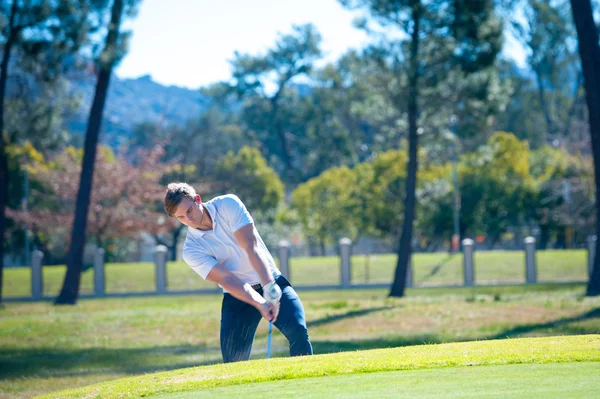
{"x":530,"y":264}
{"x":468,"y":262}
{"x":345,"y":244}
{"x":37,"y":280}
{"x":160,"y":259}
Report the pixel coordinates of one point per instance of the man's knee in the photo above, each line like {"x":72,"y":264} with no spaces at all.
{"x":297,"y":336}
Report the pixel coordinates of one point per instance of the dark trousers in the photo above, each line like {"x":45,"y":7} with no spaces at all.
{"x":239,"y":321}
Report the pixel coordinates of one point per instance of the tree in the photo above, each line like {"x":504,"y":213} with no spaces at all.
{"x":46,"y":31}
{"x":324,"y":205}
{"x":589,"y":52}
{"x":494,"y":183}
{"x":409,"y":15}
{"x":545,"y":28}
{"x":247,"y":175}
{"x":263,"y":80}
{"x":348,"y":119}
{"x":113,"y":50}
{"x":561,"y":201}
{"x":123,"y":201}
{"x":429,"y":51}
{"x":18,"y":157}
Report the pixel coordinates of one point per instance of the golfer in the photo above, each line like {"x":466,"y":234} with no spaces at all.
{"x":223,"y":246}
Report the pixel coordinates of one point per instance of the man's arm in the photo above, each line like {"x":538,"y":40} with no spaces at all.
{"x":248,"y":241}
{"x":244,"y":292}
{"x":246,"y":237}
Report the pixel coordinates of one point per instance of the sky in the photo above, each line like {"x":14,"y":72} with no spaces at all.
{"x":189,"y":43}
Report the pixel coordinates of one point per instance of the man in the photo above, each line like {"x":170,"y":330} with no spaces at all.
{"x":223,"y":246}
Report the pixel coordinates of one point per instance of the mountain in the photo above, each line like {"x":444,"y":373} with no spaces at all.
{"x":131,"y":102}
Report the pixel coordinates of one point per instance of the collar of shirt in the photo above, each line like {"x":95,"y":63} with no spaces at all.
{"x":212,"y":211}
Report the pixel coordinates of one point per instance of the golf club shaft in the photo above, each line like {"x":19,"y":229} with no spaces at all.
{"x":269,"y":339}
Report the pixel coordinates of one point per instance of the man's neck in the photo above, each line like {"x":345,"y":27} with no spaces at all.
{"x":206,"y":222}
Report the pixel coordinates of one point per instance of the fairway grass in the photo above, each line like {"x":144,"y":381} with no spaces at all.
{"x":46,"y":348}
{"x":538,"y":351}
{"x":523,"y":381}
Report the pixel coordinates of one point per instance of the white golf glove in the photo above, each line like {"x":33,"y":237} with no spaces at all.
{"x":272,"y":292}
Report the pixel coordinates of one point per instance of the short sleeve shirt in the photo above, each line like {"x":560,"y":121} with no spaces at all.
{"x":203,"y":249}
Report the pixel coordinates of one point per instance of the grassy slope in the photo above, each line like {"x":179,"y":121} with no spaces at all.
{"x":583,"y":348}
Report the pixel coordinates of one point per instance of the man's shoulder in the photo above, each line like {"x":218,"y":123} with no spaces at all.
{"x":225,"y":201}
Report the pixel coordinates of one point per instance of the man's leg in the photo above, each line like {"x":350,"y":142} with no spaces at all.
{"x":238,"y":326}
{"x":291,"y":320}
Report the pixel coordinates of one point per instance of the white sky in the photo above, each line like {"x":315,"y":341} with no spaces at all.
{"x":188,"y":43}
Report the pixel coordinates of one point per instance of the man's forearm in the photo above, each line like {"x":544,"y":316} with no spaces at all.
{"x":260,"y":264}
{"x":247,"y":238}
{"x":243,"y":292}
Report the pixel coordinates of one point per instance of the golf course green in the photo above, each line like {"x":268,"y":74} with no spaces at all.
{"x":560,"y":366}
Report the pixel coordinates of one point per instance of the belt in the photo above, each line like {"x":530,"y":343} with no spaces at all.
{"x":278,"y":280}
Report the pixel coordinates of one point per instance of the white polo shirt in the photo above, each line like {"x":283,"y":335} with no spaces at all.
{"x":203,"y":249}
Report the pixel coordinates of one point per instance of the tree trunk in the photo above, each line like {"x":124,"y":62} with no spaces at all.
{"x":70,"y":289}
{"x":544,"y":237}
{"x":175,"y":238}
{"x":573,"y":106}
{"x":404,"y":248}
{"x":589,"y":52}
{"x":3,"y":156}
{"x":544,"y":104}
{"x":283,"y":142}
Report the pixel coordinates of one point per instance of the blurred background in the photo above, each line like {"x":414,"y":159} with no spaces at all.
{"x":403,"y":126}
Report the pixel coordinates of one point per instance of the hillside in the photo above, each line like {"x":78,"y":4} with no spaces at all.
{"x":133,"y":101}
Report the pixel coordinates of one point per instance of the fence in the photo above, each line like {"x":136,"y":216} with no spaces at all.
{"x":284,"y":254}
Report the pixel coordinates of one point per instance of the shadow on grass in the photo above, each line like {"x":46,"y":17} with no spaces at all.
{"x":46,"y":362}
{"x":352,"y":313}
{"x":557,"y":326}
{"x":57,"y":362}
{"x":437,"y":268}
{"x":560,"y":326}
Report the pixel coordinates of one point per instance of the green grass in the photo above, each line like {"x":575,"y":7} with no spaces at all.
{"x":561,"y":380}
{"x":437,"y":269}
{"x":45,"y":348}
{"x":536,"y":351}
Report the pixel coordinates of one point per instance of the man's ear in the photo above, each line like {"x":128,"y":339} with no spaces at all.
{"x":198,"y":199}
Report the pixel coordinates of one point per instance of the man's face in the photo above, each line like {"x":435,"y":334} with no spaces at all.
{"x":190,"y":212}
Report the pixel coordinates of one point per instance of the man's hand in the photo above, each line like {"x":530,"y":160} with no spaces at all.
{"x":272,"y":292}
{"x":272,"y":295}
{"x":269,"y":311}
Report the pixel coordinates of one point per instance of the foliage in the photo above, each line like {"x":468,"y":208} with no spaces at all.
{"x":248,"y":175}
{"x":325,"y":204}
{"x":503,"y":185}
{"x":123,"y":203}
{"x":263,"y":80}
